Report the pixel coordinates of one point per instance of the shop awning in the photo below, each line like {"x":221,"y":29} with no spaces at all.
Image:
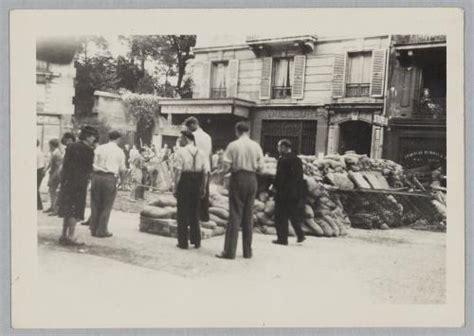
{"x":230,"y":106}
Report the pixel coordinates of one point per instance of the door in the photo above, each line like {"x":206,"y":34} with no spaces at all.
{"x":407,"y":83}
{"x":355,"y":136}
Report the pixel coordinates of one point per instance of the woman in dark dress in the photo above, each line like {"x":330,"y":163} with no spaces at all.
{"x":76,"y":170}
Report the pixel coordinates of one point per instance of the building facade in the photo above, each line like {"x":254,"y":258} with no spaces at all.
{"x":325,"y":94}
{"x":416,"y":102}
{"x":54,"y":100}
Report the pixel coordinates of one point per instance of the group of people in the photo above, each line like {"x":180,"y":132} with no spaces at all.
{"x":244,"y":159}
{"x":70,"y":171}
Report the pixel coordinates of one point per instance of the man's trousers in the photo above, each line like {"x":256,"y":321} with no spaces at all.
{"x":103,"y":192}
{"x":242,"y":192}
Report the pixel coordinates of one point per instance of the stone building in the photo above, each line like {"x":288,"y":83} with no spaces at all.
{"x":324,"y":94}
{"x":416,"y":102}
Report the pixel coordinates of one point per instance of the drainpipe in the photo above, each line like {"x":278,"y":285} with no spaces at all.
{"x":385,"y":96}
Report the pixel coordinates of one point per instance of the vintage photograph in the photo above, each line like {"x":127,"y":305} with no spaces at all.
{"x":201,"y":177}
{"x":309,"y":147}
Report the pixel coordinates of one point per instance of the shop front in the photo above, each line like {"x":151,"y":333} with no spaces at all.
{"x":356,"y":128}
{"x":305,"y":127}
{"x":217,"y":117}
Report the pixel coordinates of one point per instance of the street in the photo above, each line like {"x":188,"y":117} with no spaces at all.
{"x":399,"y":266}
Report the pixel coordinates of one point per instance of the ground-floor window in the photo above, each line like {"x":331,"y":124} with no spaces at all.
{"x":302,"y":134}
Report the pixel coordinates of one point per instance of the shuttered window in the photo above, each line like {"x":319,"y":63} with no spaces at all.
{"x":266,"y":78}
{"x":378,"y":73}
{"x":298,"y":77}
{"x":219,"y":79}
{"x":233,"y":78}
{"x":339,"y":72}
{"x":359,"y":69}
{"x":282,"y":75}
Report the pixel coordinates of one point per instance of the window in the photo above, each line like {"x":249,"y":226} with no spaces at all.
{"x":359,"y":68}
{"x":301,"y":133}
{"x":282,"y":74}
{"x":219,"y":80}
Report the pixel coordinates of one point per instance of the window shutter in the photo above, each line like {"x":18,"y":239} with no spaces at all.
{"x":297,"y":90}
{"x":233,"y":81}
{"x":339,"y":74}
{"x":204,"y":90}
{"x":377,"y":142}
{"x":378,"y":73}
{"x":266,"y":80}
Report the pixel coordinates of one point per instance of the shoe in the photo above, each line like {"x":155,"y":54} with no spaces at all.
{"x":106,"y":235}
{"x":301,"y":239}
{"x":48,"y":210}
{"x":63,"y":240}
{"x":222,"y":256}
{"x":75,"y":242}
{"x":279,"y":242}
{"x":248,"y":256}
{"x":85,"y":223}
{"x":196,"y":246}
{"x":182,"y":247}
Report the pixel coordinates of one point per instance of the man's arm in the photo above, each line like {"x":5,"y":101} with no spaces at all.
{"x":227,"y":160}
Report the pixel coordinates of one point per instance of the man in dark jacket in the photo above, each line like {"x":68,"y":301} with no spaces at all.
{"x":289,"y":190}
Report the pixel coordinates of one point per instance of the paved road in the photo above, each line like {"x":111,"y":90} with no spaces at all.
{"x":134,"y":270}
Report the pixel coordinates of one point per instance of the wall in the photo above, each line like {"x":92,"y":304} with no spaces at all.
{"x":318,"y":69}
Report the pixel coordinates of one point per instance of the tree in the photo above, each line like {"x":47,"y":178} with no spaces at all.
{"x":143,"y":108}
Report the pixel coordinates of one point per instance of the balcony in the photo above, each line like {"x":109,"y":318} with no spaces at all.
{"x":281,"y":92}
{"x":430,"y":108}
{"x":357,"y":90}
{"x":219,"y":93}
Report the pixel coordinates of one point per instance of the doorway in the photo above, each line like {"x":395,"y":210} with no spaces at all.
{"x":355,"y":136}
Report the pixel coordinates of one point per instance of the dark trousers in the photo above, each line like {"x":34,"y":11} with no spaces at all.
{"x":188,"y":199}
{"x":288,"y":210}
{"x":39,"y":178}
{"x":103,"y":191}
{"x":242,"y":191}
{"x":204,"y":208}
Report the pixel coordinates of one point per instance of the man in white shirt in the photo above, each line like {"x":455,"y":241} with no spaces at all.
{"x":109,"y":160}
{"x":203,"y":142}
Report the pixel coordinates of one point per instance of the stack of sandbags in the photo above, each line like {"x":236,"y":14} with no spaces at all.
{"x":159,"y":217}
{"x":219,"y":205}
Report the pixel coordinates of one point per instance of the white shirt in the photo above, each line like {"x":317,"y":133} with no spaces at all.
{"x":203,"y":141}
{"x":191,"y":159}
{"x":244,"y":154}
{"x":109,"y":158}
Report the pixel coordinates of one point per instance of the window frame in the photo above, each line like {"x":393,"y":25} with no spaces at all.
{"x":288,"y":89}
{"x":358,"y":86}
{"x":222,"y":92}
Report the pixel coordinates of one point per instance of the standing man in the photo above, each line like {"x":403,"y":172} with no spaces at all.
{"x":244,"y":158}
{"x":191,"y":172}
{"x":289,"y":188}
{"x":39,"y":174}
{"x":109,"y":160}
{"x":204,"y":143}
{"x":76,"y":169}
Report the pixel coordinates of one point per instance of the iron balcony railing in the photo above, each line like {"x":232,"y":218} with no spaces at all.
{"x":431,"y":108}
{"x":219,"y":93}
{"x":357,"y":89}
{"x":281,"y":92}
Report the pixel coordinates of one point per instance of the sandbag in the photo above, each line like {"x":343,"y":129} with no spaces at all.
{"x":358,"y":179}
{"x":259,"y":206}
{"x":219,"y":212}
{"x":209,"y":225}
{"x":308,"y":211}
{"x":164,"y":200}
{"x":328,"y":231}
{"x":340,"y":180}
{"x":269,"y":207}
{"x":314,"y":228}
{"x":332,"y":223}
{"x":157,"y":212}
{"x":219,"y":221}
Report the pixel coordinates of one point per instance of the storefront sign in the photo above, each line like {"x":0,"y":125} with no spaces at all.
{"x":424,"y":157}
